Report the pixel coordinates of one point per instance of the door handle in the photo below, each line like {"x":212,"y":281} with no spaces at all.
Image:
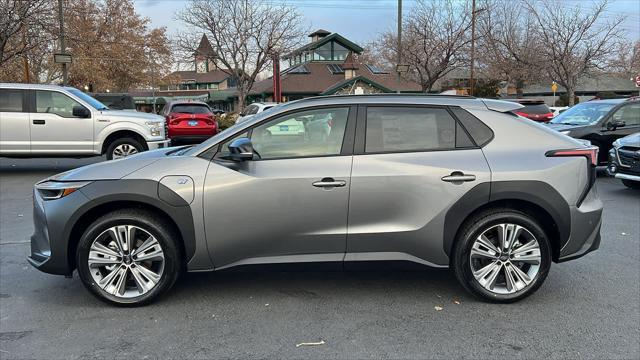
{"x":458,"y":176}
{"x":329,"y":182}
{"x":39,"y":122}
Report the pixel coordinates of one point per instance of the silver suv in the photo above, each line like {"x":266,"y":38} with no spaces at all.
{"x":441,"y":181}
{"x":49,"y":120}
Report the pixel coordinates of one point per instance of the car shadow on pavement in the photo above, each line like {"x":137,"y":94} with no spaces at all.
{"x":317,"y":284}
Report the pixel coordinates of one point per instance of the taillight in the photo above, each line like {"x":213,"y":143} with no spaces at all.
{"x":521,"y":114}
{"x":548,"y":116}
{"x":590,"y":153}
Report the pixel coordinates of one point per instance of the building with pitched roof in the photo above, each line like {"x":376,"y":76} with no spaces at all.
{"x":328,"y":65}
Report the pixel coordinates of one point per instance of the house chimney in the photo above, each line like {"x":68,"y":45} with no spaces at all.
{"x":349,"y":67}
{"x":318,"y":34}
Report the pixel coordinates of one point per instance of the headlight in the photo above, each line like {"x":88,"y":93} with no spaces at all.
{"x":616,"y":144}
{"x":566,"y":132}
{"x":51,"y":190}
{"x":155,"y":127}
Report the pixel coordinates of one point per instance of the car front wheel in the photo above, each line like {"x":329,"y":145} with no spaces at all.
{"x":502,"y":256}
{"x":128,"y":257}
{"x":124,"y":147}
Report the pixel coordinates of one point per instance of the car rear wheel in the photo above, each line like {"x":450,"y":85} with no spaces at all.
{"x":128,"y":257}
{"x":502,"y":256}
{"x":123,"y":147}
{"x":631,"y":184}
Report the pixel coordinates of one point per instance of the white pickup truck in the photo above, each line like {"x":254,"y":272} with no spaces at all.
{"x":56,"y":121}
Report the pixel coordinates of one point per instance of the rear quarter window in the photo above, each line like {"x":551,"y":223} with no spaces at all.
{"x":480,"y":132}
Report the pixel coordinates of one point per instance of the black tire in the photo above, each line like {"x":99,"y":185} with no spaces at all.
{"x":149,"y":222}
{"x":631,"y":184}
{"x":123,"y":141}
{"x":476,"y":226}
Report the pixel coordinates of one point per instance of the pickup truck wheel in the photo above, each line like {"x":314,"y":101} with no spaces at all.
{"x":123,"y":147}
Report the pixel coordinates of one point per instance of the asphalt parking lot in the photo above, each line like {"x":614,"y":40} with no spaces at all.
{"x":588,"y":308}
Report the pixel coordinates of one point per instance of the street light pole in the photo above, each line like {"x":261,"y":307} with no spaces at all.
{"x":62,"y":47}
{"x":399,"y":46}
{"x":473,"y":45}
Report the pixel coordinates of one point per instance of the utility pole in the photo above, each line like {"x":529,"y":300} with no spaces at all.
{"x":399,"y":46}
{"x":63,"y":50}
{"x":473,"y":45}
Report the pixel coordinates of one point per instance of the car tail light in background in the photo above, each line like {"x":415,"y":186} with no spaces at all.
{"x":521,"y":114}
{"x":591,"y":153}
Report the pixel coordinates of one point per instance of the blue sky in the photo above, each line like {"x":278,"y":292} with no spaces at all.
{"x":363,"y":20}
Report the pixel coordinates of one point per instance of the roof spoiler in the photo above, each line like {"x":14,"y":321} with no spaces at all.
{"x":501,"y":105}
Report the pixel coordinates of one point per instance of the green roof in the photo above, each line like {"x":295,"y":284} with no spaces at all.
{"x":340,"y":85}
{"x":333,"y":37}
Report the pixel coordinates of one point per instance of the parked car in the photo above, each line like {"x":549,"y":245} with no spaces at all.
{"x":557,"y":110}
{"x":624,"y":160}
{"x":442,"y":181}
{"x":253,"y":109}
{"x":49,"y":120}
{"x":535,"y":110}
{"x":189,"y":121}
{"x":116,"y":101}
{"x":601,"y":122}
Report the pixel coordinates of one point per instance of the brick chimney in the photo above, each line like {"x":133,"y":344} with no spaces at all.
{"x":349,"y":67}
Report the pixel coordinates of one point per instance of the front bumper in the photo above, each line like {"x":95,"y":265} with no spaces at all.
{"x":622,"y":171}
{"x":49,"y":242}
{"x":153,"y":145}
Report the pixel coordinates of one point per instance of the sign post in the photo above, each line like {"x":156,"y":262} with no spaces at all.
{"x":554,"y":88}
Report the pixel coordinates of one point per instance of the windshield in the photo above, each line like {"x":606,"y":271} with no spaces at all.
{"x":89,"y":100}
{"x":583,"y":114}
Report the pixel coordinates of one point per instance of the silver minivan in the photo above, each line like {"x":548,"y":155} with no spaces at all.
{"x":49,"y":120}
{"x":441,"y":181}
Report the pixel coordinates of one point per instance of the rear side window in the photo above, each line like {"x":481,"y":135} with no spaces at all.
{"x":11,"y":100}
{"x":480,"y":132}
{"x":535,"y":109}
{"x":401,"y":129}
{"x":191,"y":109}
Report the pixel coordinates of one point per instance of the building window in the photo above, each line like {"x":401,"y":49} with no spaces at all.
{"x":323,"y":52}
{"x":339,"y":52}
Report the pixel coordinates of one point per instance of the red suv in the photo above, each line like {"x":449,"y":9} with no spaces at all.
{"x":189,"y":121}
{"x":535,"y":110}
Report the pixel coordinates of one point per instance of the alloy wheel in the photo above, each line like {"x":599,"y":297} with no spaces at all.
{"x":505,"y":258}
{"x":124,"y":150}
{"x":126,"y":261}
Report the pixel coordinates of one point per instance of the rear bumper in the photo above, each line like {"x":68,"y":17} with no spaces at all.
{"x":189,"y":138}
{"x":586,"y":221}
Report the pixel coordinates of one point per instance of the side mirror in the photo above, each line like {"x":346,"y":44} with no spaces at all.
{"x":614,"y":124}
{"x":81,"y":112}
{"x":240,"y":150}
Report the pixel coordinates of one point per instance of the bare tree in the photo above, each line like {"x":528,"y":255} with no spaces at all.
{"x":244,"y":35}
{"x":509,"y":49}
{"x":575,"y":42}
{"x":626,"y":59}
{"x":435,"y":40}
{"x":23,"y":27}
